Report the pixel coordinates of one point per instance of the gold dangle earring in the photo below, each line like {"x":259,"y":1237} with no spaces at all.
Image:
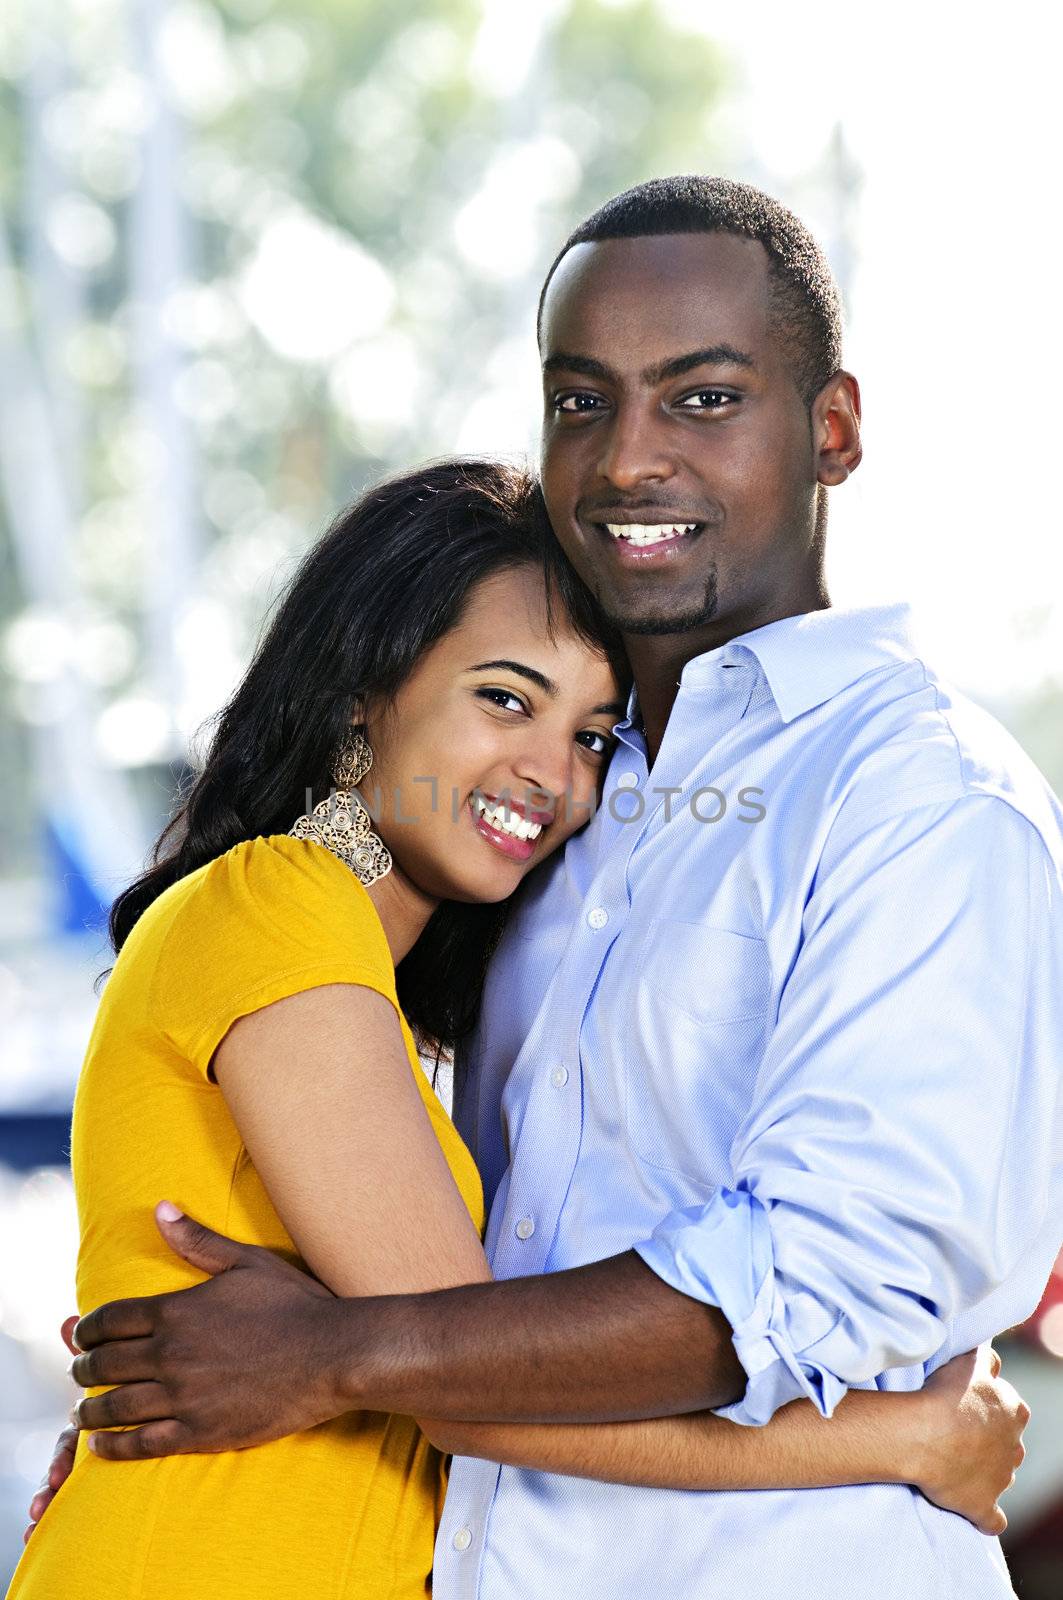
{"x":353,"y":762}
{"x":341,"y":823}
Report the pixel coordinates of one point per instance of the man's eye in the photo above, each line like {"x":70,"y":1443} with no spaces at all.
{"x":598,"y":743}
{"x":499,"y":697}
{"x":577,"y":403}
{"x":706,"y":400}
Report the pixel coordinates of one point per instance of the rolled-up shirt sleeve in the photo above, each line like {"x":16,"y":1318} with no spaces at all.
{"x":897,"y":1156}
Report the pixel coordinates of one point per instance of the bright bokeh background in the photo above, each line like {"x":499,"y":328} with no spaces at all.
{"x":254,"y":254}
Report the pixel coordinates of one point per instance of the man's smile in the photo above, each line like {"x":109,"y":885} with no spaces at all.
{"x":647,"y":533}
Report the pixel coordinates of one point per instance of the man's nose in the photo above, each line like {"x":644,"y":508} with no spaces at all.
{"x":634,"y":451}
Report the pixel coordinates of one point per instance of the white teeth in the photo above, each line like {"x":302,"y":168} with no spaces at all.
{"x":512,"y":824}
{"x":643,"y":533}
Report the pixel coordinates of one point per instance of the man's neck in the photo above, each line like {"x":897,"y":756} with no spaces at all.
{"x":657,"y":660}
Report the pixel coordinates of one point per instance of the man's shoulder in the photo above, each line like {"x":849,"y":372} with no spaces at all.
{"x":924,"y":742}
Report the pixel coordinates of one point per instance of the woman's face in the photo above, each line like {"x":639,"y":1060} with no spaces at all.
{"x":493,"y":750}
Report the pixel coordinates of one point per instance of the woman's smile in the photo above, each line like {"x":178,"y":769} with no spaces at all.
{"x":504,"y":825}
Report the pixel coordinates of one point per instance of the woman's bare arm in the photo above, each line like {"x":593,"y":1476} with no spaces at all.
{"x":958,"y":1440}
{"x":323,"y":1094}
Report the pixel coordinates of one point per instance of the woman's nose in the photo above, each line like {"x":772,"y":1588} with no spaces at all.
{"x":544,"y":772}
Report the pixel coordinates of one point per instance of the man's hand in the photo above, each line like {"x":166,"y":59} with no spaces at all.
{"x":972,"y":1438}
{"x":236,"y":1361}
{"x":262,"y":1351}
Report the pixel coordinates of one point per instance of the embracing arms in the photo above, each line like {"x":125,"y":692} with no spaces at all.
{"x":348,"y":1154}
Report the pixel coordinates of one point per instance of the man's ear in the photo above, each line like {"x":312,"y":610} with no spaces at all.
{"x":836,"y":429}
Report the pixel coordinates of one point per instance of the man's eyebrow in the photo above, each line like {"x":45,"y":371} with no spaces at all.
{"x":716,"y":355}
{"x":565,"y":361}
{"x":538,"y":678}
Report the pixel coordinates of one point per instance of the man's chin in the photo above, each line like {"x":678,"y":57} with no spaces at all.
{"x":646,"y":621}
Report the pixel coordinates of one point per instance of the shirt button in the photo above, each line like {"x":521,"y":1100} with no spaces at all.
{"x":628,"y":780}
{"x":462,"y":1539}
{"x":525,"y":1228}
{"x":559,"y":1077}
{"x":598,"y":917}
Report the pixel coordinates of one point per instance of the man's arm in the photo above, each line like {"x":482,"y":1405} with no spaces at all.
{"x":261,"y":1351}
{"x":959,"y":1440}
{"x":899,"y":1162}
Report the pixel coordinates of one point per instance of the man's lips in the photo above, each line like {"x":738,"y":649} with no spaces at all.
{"x":643,"y":540}
{"x":642,"y":528}
{"x":602,"y":515}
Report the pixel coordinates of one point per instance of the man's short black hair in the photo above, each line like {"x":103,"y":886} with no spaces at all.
{"x":806,"y":302}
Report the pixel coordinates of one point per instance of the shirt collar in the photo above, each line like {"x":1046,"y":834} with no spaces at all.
{"x":629,"y":729}
{"x":806,"y":660}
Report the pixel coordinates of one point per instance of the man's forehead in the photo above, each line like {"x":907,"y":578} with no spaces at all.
{"x":661,"y":289}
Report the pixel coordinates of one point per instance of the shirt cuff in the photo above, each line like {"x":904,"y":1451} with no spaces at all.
{"x":721,"y":1254}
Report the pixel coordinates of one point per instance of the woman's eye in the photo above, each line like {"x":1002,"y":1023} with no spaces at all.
{"x":577,"y":403}
{"x":599,"y":744}
{"x":499,"y":697}
{"x":706,"y":400}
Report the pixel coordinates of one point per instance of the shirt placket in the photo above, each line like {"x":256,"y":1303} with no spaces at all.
{"x":705,"y":713}
{"x":520,"y":1240}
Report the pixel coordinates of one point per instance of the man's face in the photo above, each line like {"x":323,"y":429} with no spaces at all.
{"x":679,"y":461}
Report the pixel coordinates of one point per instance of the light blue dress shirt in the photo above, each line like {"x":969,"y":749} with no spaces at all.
{"x":794,"y":1032}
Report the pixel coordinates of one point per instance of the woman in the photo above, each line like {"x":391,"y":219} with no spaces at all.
{"x":428,"y":717}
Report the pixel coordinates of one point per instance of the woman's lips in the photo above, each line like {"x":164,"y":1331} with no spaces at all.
{"x":519,"y":808}
{"x":507,"y":843}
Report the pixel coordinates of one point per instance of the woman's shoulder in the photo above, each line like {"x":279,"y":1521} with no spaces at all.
{"x":270,"y":917}
{"x":288,"y":889}
{"x":267,"y":903}
{"x":279,"y":860}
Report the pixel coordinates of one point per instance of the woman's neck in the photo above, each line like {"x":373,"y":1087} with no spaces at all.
{"x":403,"y":909}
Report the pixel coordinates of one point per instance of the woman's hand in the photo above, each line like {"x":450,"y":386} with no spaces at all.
{"x":62,"y":1463}
{"x":59,"y":1470}
{"x":972,"y":1431}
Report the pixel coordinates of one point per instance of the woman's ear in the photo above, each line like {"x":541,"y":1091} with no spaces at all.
{"x":366,"y":714}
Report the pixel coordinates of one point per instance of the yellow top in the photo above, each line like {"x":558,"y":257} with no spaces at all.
{"x":347,"y":1509}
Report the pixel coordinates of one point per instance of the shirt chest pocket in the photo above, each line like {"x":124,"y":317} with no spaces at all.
{"x":699,"y":1015}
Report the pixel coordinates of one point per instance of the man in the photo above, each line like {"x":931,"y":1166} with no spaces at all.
{"x":764,"y":1091}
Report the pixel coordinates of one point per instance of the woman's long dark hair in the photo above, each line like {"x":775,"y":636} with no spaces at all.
{"x":389,"y":578}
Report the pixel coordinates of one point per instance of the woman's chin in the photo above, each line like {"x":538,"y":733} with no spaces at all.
{"x":482,"y":892}
{"x":483,"y":882}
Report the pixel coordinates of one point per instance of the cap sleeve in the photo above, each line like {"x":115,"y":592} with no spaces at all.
{"x":270,"y":918}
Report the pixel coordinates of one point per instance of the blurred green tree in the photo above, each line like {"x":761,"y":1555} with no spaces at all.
{"x":263,"y":252}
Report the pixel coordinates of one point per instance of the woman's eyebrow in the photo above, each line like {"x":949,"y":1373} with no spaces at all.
{"x":538,"y":678}
{"x":611,"y":708}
